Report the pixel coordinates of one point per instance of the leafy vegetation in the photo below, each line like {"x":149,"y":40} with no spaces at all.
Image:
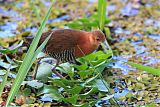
{"x":99,"y":79}
{"x":82,"y":82}
{"x":87,"y":78}
{"x":88,"y":23}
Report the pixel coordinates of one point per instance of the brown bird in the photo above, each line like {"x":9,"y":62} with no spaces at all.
{"x":65,"y":45}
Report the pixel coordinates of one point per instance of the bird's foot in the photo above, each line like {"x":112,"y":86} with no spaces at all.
{"x":58,"y":74}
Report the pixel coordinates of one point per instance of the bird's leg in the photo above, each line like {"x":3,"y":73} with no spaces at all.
{"x":36,"y":68}
{"x":54,"y":70}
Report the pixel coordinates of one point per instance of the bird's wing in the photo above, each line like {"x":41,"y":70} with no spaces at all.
{"x":63,"y":39}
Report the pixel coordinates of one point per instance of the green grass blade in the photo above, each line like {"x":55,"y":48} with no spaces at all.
{"x":102,"y":12}
{"x":39,"y":49}
{"x":145,"y":68}
{"x":102,"y":17}
{"x":25,"y":66}
{"x":4,"y":82}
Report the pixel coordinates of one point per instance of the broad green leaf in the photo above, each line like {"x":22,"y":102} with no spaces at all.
{"x":44,"y":71}
{"x":72,"y":100}
{"x":84,"y":74}
{"x":81,"y":67}
{"x":75,"y":90}
{"x":99,"y":68}
{"x":90,"y":57}
{"x":97,"y":62}
{"x":26,"y":91}
{"x":59,"y":82}
{"x":51,"y":91}
{"x":64,"y":82}
{"x":66,"y":67}
{"x":35,"y":84}
{"x":100,"y":85}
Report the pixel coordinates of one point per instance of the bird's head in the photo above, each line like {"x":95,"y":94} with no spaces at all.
{"x":98,"y":36}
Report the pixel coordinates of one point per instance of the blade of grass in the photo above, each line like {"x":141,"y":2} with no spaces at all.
{"x":102,"y":12}
{"x":145,"y":68}
{"x":102,"y":4}
{"x":102,"y":16}
{"x":4,"y":81}
{"x":39,"y":49}
{"x":26,"y":64}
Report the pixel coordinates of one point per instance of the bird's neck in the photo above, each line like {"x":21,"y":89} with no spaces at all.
{"x":85,"y":47}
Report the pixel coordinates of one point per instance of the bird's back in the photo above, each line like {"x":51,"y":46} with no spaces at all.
{"x":61,"y":39}
{"x":62,"y":43}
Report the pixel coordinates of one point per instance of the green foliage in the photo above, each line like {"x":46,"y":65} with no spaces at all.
{"x":145,"y":68}
{"x":7,"y":66}
{"x":84,"y":86}
{"x":94,"y":21}
{"x":97,"y":61}
{"x":87,"y":23}
{"x":83,"y":83}
{"x":44,"y":71}
{"x":28,"y":60}
{"x":50,"y":91}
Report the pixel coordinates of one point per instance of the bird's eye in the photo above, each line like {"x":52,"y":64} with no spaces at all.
{"x":98,"y":39}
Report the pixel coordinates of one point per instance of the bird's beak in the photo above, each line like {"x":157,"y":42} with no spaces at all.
{"x":105,"y":46}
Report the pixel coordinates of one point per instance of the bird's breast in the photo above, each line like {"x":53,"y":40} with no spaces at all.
{"x":85,"y":49}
